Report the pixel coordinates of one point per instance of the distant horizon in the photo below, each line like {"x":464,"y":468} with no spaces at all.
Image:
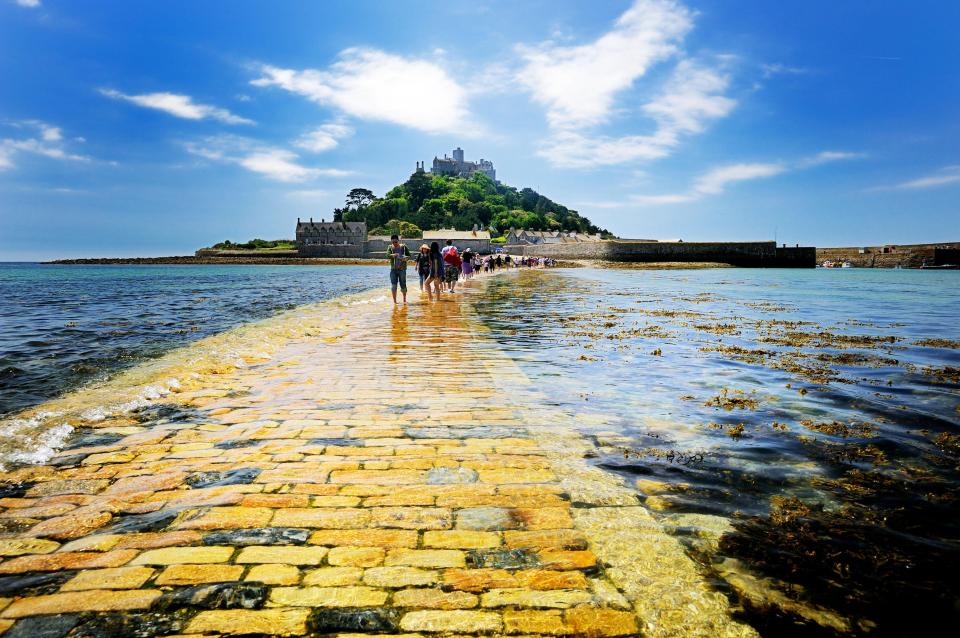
{"x":816,"y":124}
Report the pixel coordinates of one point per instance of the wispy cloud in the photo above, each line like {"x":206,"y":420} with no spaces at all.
{"x":716,"y":180}
{"x":944,"y":176}
{"x":178,"y":105}
{"x":770,"y":70}
{"x":370,"y":84}
{"x":578,"y":84}
{"x":31,"y":4}
{"x":273,"y":163}
{"x":713,"y":182}
{"x":825,"y":157}
{"x":692,"y":97}
{"x":47,"y":141}
{"x":324,"y":137}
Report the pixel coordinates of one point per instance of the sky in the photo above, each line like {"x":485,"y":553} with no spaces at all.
{"x":136,"y":128}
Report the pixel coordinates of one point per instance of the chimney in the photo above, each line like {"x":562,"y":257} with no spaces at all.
{"x":298,"y":221}
{"x":311,"y":220}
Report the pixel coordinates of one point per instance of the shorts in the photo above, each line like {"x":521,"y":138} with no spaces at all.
{"x":398,"y":277}
{"x":451,"y":273}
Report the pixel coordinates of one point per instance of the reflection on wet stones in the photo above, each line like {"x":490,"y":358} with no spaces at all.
{"x":149,"y":522}
{"x":33,"y":584}
{"x":261,"y":536}
{"x":502,"y":559}
{"x":240,"y":476}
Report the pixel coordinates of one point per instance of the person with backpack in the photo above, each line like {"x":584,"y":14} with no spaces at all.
{"x":452,"y":261}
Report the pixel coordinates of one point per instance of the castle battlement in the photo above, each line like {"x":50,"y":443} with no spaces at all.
{"x":456,"y":166}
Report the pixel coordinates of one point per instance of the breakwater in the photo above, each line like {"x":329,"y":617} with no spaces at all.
{"x":762,"y":254}
{"x":893,"y":255}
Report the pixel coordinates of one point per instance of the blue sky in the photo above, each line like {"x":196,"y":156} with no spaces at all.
{"x":153,"y":128}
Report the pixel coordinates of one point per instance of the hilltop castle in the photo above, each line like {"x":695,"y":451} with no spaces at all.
{"x":456,"y":166}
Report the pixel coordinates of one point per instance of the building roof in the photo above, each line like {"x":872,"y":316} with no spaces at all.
{"x":445,"y":233}
{"x":352,"y":226}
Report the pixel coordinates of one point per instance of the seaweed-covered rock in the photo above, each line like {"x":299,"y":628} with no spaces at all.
{"x":132,"y":625}
{"x":219,"y":596}
{"x":56,"y":626}
{"x":240,"y":476}
{"x":261,"y":536}
{"x":33,"y":584}
{"x":372,"y":620}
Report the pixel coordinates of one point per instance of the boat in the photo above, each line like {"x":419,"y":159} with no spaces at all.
{"x":941,"y":267}
{"x":846,"y":264}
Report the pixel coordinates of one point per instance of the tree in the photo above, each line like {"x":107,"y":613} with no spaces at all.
{"x":360,"y":198}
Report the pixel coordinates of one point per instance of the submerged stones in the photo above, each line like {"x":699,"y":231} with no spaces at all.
{"x":33,"y":584}
{"x":56,"y":626}
{"x":503,"y":558}
{"x":451,"y":476}
{"x":137,"y":625}
{"x":367,"y":620}
{"x":260,"y":536}
{"x":219,"y":596}
{"x":240,"y":476}
{"x":150,"y":522}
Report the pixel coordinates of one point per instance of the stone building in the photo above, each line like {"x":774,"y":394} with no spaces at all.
{"x":456,"y":166}
{"x":331,"y":239}
{"x":476,"y":240}
{"x":523,"y":237}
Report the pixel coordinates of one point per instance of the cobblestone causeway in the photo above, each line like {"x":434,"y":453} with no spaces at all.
{"x":391,"y":473}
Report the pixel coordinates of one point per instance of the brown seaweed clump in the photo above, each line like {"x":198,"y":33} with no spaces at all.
{"x":938,"y":343}
{"x":737,"y":399}
{"x":836,"y":428}
{"x":890,"y":575}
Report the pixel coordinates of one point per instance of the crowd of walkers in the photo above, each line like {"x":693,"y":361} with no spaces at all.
{"x":439,"y":268}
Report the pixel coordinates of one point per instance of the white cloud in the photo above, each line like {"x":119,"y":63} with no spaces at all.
{"x":178,"y":105}
{"x":689,"y":99}
{"x":374,"y":85}
{"x":32,"y":4}
{"x":274,"y":163}
{"x":825,"y":157}
{"x":324,"y":137}
{"x":770,"y":70}
{"x":578,"y":84}
{"x":713,"y":182}
{"x":47,"y":143}
{"x":946,"y":175}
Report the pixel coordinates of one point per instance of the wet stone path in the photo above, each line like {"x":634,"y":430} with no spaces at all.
{"x":392,"y":474}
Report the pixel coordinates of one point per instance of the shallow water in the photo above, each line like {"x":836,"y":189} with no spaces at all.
{"x":798,"y":430}
{"x":63,"y":326}
{"x":803,"y":422}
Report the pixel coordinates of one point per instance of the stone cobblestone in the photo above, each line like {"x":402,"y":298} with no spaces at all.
{"x":347,"y":496}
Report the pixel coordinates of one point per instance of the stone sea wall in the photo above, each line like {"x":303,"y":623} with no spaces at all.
{"x":747,"y":254}
{"x":891,"y":256}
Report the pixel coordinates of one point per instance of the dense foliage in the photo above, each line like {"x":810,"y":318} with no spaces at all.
{"x":430,"y":202}
{"x":257,"y":244}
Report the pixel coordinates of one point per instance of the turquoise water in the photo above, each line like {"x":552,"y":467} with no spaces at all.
{"x":803,"y":423}
{"x":62,"y":327}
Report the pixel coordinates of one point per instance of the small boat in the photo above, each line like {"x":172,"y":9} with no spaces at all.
{"x":846,"y":264}
{"x":941,"y":267}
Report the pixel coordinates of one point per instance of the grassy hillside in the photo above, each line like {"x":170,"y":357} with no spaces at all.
{"x":429,"y":202}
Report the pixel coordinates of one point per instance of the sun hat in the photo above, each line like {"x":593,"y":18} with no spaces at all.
{"x":424,"y":247}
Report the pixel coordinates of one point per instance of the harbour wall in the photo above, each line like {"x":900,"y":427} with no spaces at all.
{"x":762,"y":254}
{"x":893,"y":255}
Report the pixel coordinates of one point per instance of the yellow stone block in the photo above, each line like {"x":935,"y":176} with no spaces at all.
{"x":399,"y":577}
{"x":590,"y":621}
{"x":79,"y":601}
{"x":558,"y":599}
{"x":460,"y":539}
{"x":459,"y":621}
{"x":544,"y":623}
{"x":19,"y":547}
{"x":412,"y":517}
{"x":325,"y":518}
{"x":270,"y":622}
{"x":282,"y":555}
{"x":328,"y":596}
{"x":335,"y":501}
{"x":274,"y":574}
{"x":230,"y":518}
{"x":434,"y":599}
{"x":333,"y":576}
{"x":356,"y":556}
{"x":114,"y":578}
{"x":198,"y":574}
{"x":425,"y":558}
{"x":184,"y":556}
{"x":95,"y":543}
{"x":366,"y":538}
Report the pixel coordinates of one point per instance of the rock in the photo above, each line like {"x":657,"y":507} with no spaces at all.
{"x":220,"y":596}
{"x":323,"y":621}
{"x":451,"y":476}
{"x":33,"y":584}
{"x":146,"y":625}
{"x":240,"y":476}
{"x":56,"y":626}
{"x":235,"y":443}
{"x":92,"y":438}
{"x":261,"y":536}
{"x":151,"y":522}
{"x":502,"y":558}
{"x":14,"y":490}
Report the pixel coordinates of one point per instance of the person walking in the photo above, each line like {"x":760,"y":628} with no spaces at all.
{"x":467,"y":265}
{"x":423,"y":264}
{"x":399,"y":253}
{"x":451,"y":270}
{"x":435,"y":260}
